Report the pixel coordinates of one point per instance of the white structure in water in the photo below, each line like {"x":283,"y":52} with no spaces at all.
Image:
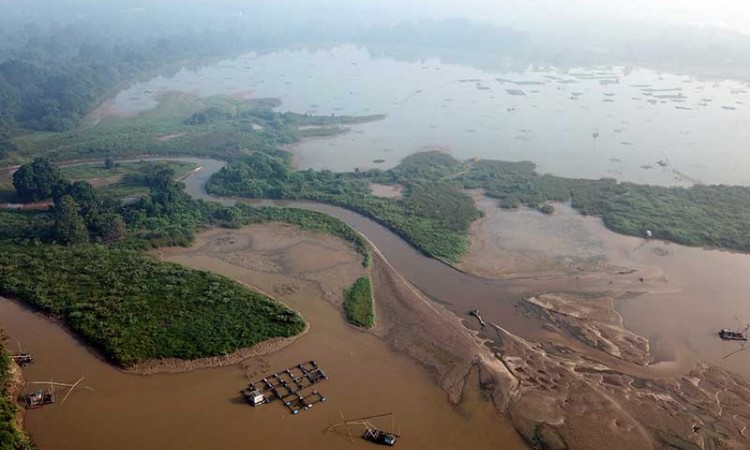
{"x":256,"y":398}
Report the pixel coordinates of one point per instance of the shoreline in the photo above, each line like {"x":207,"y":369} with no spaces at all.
{"x":17,"y":383}
{"x":177,"y":366}
{"x":156,"y":366}
{"x":439,"y":341}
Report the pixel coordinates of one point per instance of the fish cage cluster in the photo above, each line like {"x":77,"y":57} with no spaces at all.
{"x":292,"y":387}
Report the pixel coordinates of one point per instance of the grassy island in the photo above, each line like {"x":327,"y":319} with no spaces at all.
{"x":132,"y":307}
{"x":358,"y":303}
{"x":185,"y":125}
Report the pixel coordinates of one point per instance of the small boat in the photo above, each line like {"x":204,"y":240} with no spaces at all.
{"x":732,"y":335}
{"x":379,"y":437}
{"x":371,"y":434}
{"x":22,"y":359}
{"x":39,"y":398}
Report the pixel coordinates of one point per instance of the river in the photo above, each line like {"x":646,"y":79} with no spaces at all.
{"x":688,"y":294}
{"x":203,"y":408}
{"x":692,"y":292}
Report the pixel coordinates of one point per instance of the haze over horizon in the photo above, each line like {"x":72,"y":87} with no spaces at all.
{"x":731,"y":15}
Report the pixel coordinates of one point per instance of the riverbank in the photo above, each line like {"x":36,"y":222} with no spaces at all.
{"x":411,"y":323}
{"x":11,"y":414}
{"x":522,"y":335}
{"x":175,"y":365}
{"x":307,"y":271}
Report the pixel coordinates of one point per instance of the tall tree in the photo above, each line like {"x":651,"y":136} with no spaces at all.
{"x":38,"y":180}
{"x":85,"y":197}
{"x":166,"y":193}
{"x":113,"y":227}
{"x":70,"y":228}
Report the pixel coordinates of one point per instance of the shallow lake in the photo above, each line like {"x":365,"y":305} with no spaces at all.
{"x":629,"y":123}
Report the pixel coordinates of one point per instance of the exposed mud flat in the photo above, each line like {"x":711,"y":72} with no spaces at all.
{"x":525,"y":242}
{"x":203,"y":408}
{"x":563,"y":398}
{"x":588,"y":381}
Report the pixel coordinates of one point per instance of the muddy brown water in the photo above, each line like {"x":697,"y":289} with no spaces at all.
{"x":696,"y":293}
{"x":686,"y":296}
{"x":689,"y":294}
{"x":203,"y":409}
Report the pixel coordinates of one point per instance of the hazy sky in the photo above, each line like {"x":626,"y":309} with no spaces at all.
{"x":733,"y":14}
{"x":528,"y":14}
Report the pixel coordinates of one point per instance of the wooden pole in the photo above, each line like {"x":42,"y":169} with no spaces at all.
{"x":71,"y":390}
{"x":371,"y":417}
{"x":51,"y":383}
{"x":346,"y":424}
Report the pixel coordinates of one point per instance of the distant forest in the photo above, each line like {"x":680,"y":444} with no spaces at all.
{"x":50,"y":77}
{"x":58,"y":76}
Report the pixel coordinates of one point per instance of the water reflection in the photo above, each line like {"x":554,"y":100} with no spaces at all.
{"x":583,"y":122}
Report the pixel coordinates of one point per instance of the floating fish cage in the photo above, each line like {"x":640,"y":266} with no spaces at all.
{"x":291,"y":386}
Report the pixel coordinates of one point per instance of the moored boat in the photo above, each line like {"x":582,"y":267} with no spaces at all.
{"x":732,"y":335}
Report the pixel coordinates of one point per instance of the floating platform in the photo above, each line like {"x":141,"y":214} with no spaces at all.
{"x":292,"y":387}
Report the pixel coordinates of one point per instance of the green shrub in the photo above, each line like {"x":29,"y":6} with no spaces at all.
{"x":547,"y":209}
{"x":358,"y":303}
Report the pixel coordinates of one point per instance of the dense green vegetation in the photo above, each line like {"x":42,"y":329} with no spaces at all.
{"x":124,"y":179}
{"x":11,"y":438}
{"x":127,"y":179}
{"x":434,"y":215}
{"x":182,"y":124}
{"x":121,"y":300}
{"x":358,"y":303}
{"x":712,"y":216}
{"x":132,"y":307}
{"x":38,"y":181}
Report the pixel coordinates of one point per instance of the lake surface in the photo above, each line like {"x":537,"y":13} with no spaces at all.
{"x":628,"y":123}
